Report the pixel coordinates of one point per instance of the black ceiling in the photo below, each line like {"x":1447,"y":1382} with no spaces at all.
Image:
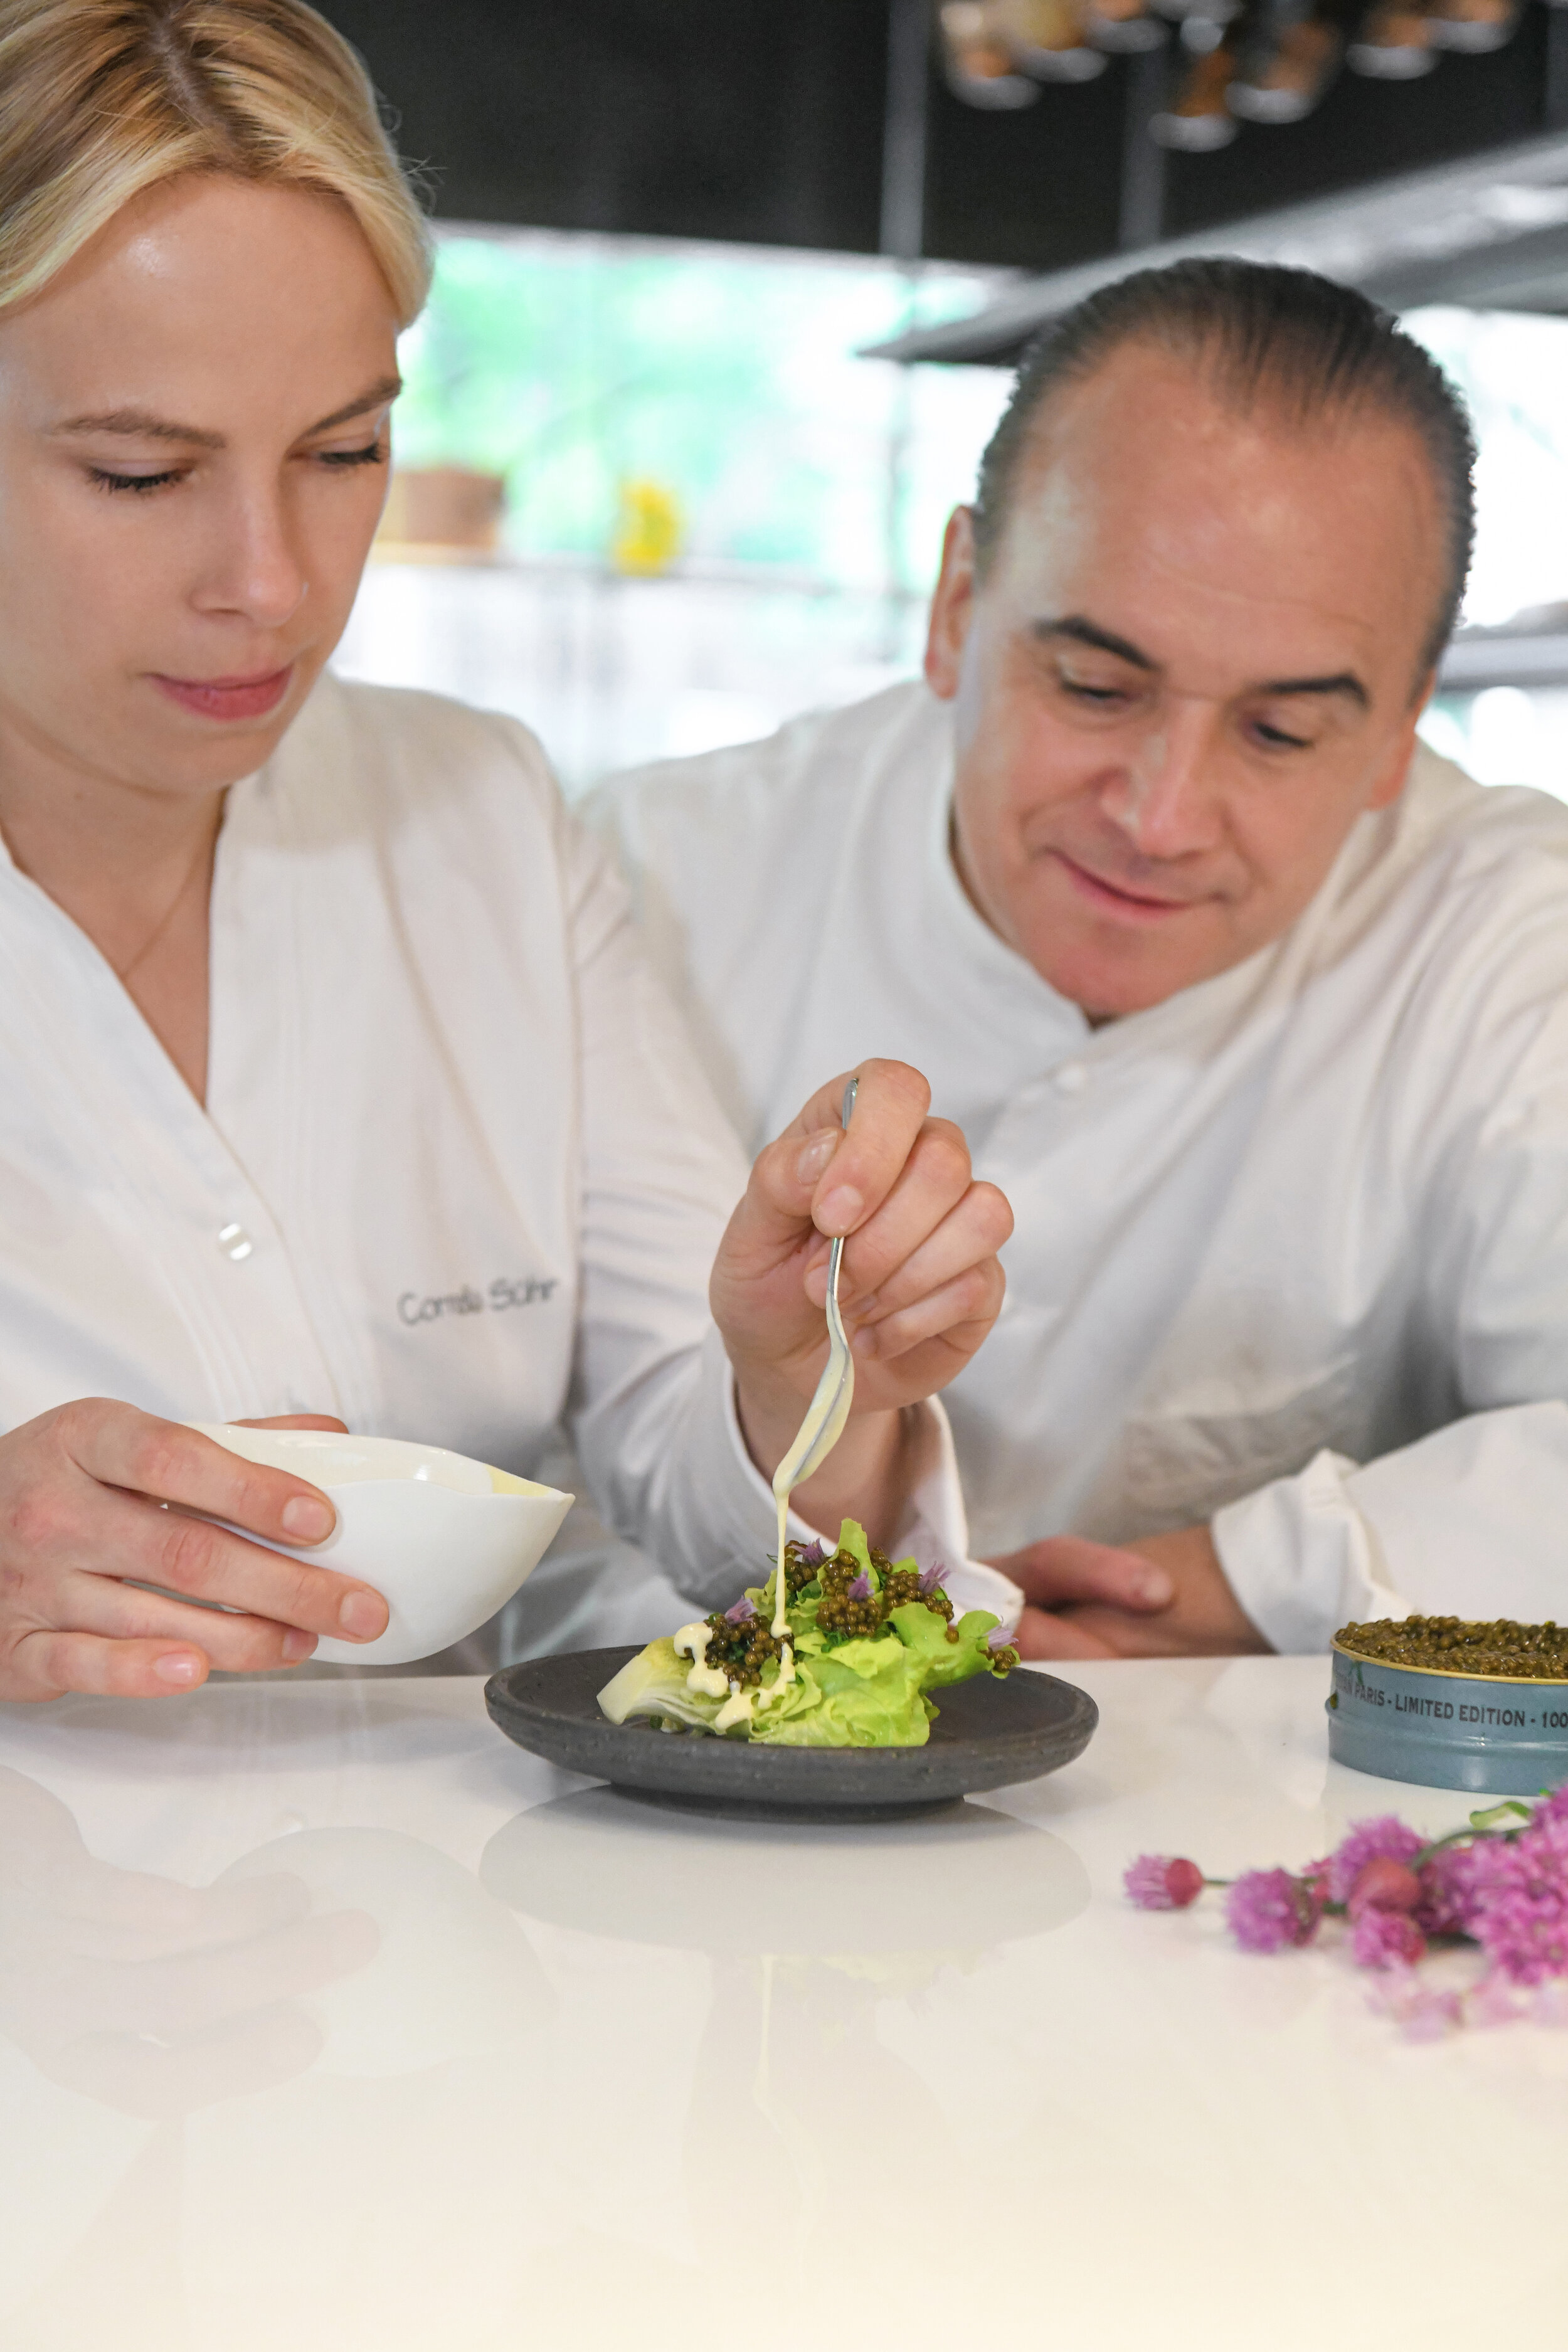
{"x":762,"y":120}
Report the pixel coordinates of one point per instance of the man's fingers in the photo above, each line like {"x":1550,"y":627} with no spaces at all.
{"x":1040,"y":1635}
{"x":1064,"y":1569}
{"x":47,"y":1664}
{"x":118,"y":1446}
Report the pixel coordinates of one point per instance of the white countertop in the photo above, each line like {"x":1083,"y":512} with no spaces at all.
{"x":620,"y":2076}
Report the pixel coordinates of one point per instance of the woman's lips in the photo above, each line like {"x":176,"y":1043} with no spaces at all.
{"x":227,"y":697}
{"x":1130,"y":905}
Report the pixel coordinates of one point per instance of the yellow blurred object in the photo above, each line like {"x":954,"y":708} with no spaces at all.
{"x":440,"y":514}
{"x":649,"y":528}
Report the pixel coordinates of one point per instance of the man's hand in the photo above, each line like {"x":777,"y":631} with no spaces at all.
{"x":1164,"y":1597}
{"x":920,"y":1285}
{"x":82,"y":1531}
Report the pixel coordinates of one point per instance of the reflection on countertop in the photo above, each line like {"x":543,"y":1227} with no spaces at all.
{"x":327,"y":2019}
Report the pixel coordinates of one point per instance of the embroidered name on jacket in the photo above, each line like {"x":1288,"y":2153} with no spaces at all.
{"x":504,"y":1292}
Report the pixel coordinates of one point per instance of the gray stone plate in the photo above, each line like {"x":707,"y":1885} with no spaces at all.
{"x":988,"y":1734}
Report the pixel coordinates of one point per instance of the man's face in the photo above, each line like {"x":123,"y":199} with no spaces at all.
{"x":1192,"y":665}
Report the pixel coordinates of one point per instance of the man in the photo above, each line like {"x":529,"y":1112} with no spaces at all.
{"x":1257,"y":1010}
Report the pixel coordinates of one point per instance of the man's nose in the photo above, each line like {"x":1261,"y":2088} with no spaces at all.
{"x":254,"y":568}
{"x":1164,"y":796}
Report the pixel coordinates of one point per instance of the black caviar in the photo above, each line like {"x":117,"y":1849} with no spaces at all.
{"x":741,"y":1651}
{"x":841,"y":1615}
{"x":1464,"y":1646}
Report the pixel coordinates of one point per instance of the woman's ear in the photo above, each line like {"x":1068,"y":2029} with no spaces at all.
{"x":952,"y":607}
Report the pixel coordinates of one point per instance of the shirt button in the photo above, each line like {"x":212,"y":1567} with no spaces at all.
{"x":234,"y":1243}
{"x":1071,"y":1079}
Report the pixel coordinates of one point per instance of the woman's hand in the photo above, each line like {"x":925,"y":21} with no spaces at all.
{"x":920,"y":1285}
{"x":81,"y":1529}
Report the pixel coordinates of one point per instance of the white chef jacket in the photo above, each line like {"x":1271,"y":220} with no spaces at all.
{"x":1292,"y":1247}
{"x":459,"y":1176}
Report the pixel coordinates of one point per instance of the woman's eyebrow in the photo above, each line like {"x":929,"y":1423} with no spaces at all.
{"x":141,"y":425}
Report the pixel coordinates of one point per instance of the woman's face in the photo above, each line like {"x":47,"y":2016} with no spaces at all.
{"x":193,"y":460}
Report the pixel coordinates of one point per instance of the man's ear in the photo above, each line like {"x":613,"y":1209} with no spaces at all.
{"x":1391,"y":783}
{"x":952,"y":607}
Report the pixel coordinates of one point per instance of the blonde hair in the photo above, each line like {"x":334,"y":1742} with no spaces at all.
{"x":101,"y":99}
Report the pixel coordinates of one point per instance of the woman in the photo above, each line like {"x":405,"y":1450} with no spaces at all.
{"x":331,"y":1081}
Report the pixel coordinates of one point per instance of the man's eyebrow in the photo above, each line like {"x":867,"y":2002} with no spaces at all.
{"x":1343,"y":682}
{"x":143,"y":424}
{"x":1084,"y":632}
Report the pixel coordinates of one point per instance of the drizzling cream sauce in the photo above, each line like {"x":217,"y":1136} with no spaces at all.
{"x":818,"y":1434}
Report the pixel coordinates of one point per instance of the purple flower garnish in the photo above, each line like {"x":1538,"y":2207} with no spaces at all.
{"x":862,"y":1588}
{"x":1162,"y":1882}
{"x":1447,"y":1897}
{"x":815,"y":1553}
{"x":1519,"y":1894}
{"x":1387,"y":1939}
{"x":930,"y":1578}
{"x":1269,"y":1910}
{"x":1384,"y":1839}
{"x":1383,"y":1884}
{"x":742,"y":1609}
{"x":998,"y":1639}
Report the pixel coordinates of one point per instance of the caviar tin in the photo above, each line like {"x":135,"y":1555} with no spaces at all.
{"x":1488,"y":1733}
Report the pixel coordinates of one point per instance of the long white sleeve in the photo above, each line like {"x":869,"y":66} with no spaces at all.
{"x":1469,"y":1519}
{"x":652,"y":1407}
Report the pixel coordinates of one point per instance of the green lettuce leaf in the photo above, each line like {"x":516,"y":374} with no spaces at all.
{"x":859,"y":1695}
{"x":863,"y":1693}
{"x":941,"y":1661}
{"x":654,"y":1683}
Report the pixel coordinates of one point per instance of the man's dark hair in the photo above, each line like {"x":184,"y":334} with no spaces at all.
{"x":1307,"y":346}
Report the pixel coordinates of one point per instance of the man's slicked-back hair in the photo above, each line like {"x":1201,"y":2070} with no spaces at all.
{"x":1306,"y":348}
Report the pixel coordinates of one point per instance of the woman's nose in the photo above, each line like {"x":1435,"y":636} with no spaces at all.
{"x":256,"y":571}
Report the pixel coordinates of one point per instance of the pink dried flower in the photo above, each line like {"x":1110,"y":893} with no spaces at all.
{"x":1387,"y":1939}
{"x":1519,"y":1901}
{"x":1553,"y":1807}
{"x":1384,"y":1839}
{"x":1269,"y":1910}
{"x":1162,"y":1882}
{"x":1383,"y":1884}
{"x":1447,"y":1899}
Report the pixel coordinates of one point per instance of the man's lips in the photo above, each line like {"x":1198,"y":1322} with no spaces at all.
{"x":1109,"y":898}
{"x":227,"y":697}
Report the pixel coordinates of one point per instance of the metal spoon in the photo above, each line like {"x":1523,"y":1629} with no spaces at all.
{"x":828,"y":1411}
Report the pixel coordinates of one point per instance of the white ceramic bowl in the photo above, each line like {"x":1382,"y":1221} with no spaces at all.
{"x":446,"y":1539}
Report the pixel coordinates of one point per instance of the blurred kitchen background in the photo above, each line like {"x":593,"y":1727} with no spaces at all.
{"x":727,"y":293}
